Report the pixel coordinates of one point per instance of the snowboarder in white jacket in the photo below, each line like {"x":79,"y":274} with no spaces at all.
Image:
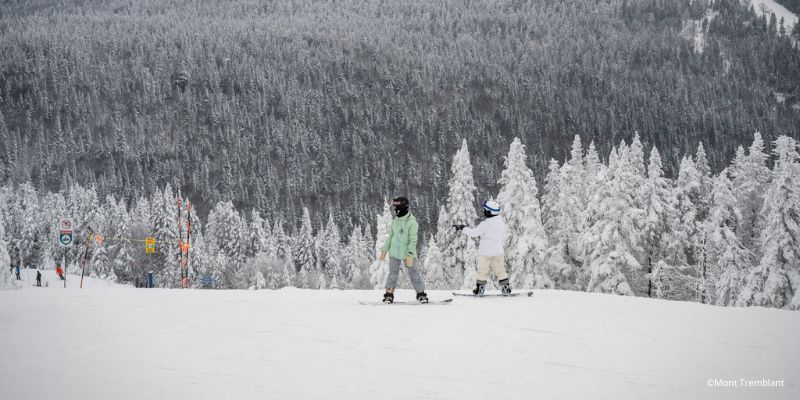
{"x":491,"y":254}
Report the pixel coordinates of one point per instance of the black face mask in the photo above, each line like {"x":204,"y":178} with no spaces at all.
{"x":400,"y":210}
{"x":488,"y":214}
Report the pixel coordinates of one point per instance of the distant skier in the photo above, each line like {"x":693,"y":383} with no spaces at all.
{"x":18,"y":277}
{"x":38,"y":278}
{"x":60,"y":272}
{"x":492,"y":232}
{"x":402,"y":247}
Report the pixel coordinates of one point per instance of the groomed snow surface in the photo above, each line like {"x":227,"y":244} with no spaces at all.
{"x":771,"y":6}
{"x":116,"y":342}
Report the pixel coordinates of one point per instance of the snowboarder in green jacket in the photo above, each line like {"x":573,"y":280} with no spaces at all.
{"x":401,"y":245}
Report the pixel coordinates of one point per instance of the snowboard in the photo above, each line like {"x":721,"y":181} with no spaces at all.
{"x":513,"y":294}
{"x":405,"y":303}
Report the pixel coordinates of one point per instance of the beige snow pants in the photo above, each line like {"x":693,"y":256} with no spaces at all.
{"x":497,"y":263}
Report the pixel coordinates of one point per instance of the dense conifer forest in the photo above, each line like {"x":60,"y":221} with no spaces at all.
{"x":335,"y":105}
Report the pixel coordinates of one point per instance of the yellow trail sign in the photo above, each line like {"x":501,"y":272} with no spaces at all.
{"x":149,"y":245}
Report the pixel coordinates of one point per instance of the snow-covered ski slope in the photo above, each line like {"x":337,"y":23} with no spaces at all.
{"x":51,"y":280}
{"x":771,"y":6}
{"x":124,"y":343}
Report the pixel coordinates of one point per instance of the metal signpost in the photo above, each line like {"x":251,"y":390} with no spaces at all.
{"x":66,"y":228}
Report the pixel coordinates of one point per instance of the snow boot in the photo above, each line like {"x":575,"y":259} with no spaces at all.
{"x":480,"y":287}
{"x":505,"y":287}
{"x":388,"y":298}
{"x":422,"y":297}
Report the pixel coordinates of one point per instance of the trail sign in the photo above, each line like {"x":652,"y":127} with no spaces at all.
{"x":65,"y":231}
{"x":149,"y":245}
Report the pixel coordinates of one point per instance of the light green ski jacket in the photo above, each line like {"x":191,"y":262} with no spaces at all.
{"x":402,"y":240}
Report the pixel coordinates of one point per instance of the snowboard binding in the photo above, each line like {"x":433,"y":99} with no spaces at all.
{"x":505,"y":287}
{"x":480,"y":288}
{"x":422,"y":297}
{"x":388,"y":298}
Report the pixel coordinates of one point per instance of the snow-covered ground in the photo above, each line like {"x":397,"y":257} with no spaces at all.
{"x":50,"y":279}
{"x":771,"y":6}
{"x":112,"y":342}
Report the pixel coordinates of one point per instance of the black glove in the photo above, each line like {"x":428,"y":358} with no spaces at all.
{"x":459,"y":227}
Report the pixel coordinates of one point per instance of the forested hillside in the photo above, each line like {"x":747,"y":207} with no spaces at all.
{"x":334,"y":105}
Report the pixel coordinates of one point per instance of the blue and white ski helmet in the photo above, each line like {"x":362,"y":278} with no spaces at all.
{"x":492,"y":206}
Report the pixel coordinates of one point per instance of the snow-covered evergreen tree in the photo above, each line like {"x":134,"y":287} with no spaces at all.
{"x":25,"y":239}
{"x":729,"y":260}
{"x":120,"y":249}
{"x":636,"y":156}
{"x":164,"y":225}
{"x":687,"y":189}
{"x":434,"y":270}
{"x":379,"y":270}
{"x":660,"y":205}
{"x":706,"y":182}
{"x":224,"y":234}
{"x":566,"y":256}
{"x":329,"y":249}
{"x":303,"y":246}
{"x":7,"y":280}
{"x":101,"y":266}
{"x":457,"y":250}
{"x":257,"y":234}
{"x":279,"y":243}
{"x":526,"y":241}
{"x":613,"y":242}
{"x":775,"y":281}
{"x":750,"y":176}
{"x":550,"y":209}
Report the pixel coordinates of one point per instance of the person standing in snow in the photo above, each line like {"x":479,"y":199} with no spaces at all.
{"x":401,"y":245}
{"x":60,"y":272}
{"x":38,"y":278}
{"x":18,"y":277}
{"x":492,"y":232}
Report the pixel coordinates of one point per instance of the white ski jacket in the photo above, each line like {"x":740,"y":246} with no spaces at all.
{"x":492,"y":232}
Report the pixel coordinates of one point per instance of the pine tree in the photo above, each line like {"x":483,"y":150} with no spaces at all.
{"x":613,"y":242}
{"x":257,"y":234}
{"x":550,"y":210}
{"x":566,"y":256}
{"x":7,"y":280}
{"x":378,"y":270}
{"x":459,"y":211}
{"x":224,"y":234}
{"x":636,"y":156}
{"x":750,"y":176}
{"x":329,"y":249}
{"x":706,"y":183}
{"x":526,"y":241}
{"x":776,"y":280}
{"x":303,"y":245}
{"x":163,"y":222}
{"x":101,"y":266}
{"x":451,"y":277}
{"x":687,"y":189}
{"x":729,"y":260}
{"x":434,"y":270}
{"x":660,"y":205}
{"x":120,"y":249}
{"x":27,"y":241}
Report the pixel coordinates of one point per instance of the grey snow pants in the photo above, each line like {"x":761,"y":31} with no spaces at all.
{"x":413,"y":273}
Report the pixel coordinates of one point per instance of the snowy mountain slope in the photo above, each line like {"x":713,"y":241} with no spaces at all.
{"x":771,"y":6}
{"x":299,"y":344}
